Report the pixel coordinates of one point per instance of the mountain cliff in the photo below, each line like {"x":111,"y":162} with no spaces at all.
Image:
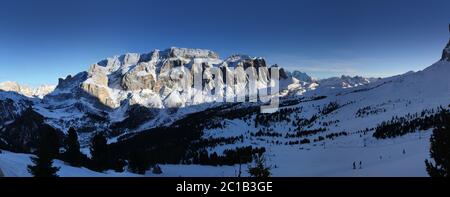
{"x":159,"y":79}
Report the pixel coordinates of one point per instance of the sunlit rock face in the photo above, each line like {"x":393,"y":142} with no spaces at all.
{"x":163,"y":79}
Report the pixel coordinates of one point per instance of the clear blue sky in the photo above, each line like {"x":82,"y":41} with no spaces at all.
{"x":43,"y":40}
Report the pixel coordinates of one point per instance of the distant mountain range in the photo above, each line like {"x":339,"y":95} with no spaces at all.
{"x":28,"y":91}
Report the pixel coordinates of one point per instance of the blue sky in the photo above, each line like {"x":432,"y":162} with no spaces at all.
{"x":41,"y":41}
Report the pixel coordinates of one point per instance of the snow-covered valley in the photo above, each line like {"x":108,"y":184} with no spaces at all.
{"x":380,"y":159}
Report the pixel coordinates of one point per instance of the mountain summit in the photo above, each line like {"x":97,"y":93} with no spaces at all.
{"x":446,"y":52}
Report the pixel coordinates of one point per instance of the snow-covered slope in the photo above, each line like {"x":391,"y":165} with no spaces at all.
{"x":323,"y":131}
{"x":16,"y":165}
{"x":11,"y":106}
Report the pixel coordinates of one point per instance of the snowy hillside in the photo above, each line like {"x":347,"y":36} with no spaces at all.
{"x":15,"y":165}
{"x":339,"y":128}
{"x":379,"y":160}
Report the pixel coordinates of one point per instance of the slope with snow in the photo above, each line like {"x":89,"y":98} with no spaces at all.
{"x":382,"y":99}
{"x":16,"y":165}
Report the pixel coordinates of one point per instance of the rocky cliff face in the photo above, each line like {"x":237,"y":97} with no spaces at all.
{"x":164,"y":79}
{"x":446,"y":52}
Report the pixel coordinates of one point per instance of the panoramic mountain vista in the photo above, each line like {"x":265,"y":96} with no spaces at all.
{"x":155,"y":122}
{"x":224,"y":96}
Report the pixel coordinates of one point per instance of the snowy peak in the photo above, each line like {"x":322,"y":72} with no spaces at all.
{"x":128,"y":59}
{"x":39,"y":92}
{"x":300,"y":76}
{"x":345,"y":81}
{"x":175,"y":52}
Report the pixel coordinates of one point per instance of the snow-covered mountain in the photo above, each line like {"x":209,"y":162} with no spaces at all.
{"x":28,"y":91}
{"x":11,"y":106}
{"x":301,"y":76}
{"x":322,"y":126}
{"x":155,"y":86}
{"x":158,"y":79}
{"x":345,"y":82}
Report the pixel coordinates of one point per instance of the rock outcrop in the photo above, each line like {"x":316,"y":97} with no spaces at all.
{"x":446,"y":52}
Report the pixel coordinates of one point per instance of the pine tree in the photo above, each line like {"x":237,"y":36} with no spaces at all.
{"x":99,"y":152}
{"x":440,"y":149}
{"x":137,"y":162}
{"x":260,"y":169}
{"x":47,"y":150}
{"x":157,"y":169}
{"x":73,"y":154}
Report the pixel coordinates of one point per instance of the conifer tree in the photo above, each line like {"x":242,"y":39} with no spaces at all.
{"x":99,"y":152}
{"x":73,"y":154}
{"x":260,"y":169}
{"x":47,"y":150}
{"x":440,"y":149}
{"x":157,"y":169}
{"x":138,"y":162}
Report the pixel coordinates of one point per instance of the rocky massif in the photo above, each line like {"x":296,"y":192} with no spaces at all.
{"x":160,"y":79}
{"x":132,"y":92}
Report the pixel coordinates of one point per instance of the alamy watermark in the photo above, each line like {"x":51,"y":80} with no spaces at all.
{"x":230,"y":84}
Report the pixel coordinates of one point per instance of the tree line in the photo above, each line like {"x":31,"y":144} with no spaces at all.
{"x":399,"y":126}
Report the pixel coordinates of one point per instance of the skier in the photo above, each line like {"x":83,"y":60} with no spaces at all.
{"x":360,"y":164}
{"x":354,"y":165}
